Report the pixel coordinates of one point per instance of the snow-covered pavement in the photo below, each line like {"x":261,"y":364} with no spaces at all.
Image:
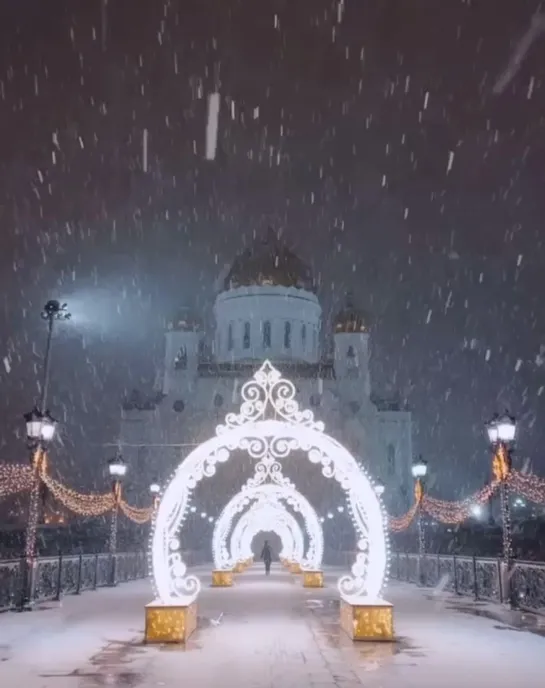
{"x":263,"y":633}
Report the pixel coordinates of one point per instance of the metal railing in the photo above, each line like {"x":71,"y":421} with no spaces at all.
{"x":482,"y":578}
{"x":54,"y":577}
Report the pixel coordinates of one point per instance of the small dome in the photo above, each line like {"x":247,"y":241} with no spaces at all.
{"x":184,"y":321}
{"x":269,"y":262}
{"x":351,"y":319}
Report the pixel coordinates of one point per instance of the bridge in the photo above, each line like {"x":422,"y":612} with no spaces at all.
{"x":86,"y":630}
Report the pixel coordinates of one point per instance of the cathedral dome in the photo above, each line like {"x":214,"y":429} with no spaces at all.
{"x":269,"y":262}
{"x":351,"y":319}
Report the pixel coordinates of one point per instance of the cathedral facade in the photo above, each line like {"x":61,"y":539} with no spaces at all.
{"x":268,"y":309}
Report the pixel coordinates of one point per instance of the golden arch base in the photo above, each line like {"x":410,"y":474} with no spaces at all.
{"x":371,"y":622}
{"x":167,"y":623}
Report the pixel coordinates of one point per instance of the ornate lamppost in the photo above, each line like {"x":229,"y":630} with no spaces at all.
{"x":419,"y":470}
{"x":40,"y":431}
{"x":502,"y":431}
{"x":117,"y":469}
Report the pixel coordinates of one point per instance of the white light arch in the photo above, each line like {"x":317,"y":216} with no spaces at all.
{"x":268,"y":442}
{"x":268,"y":493}
{"x":268,"y":518}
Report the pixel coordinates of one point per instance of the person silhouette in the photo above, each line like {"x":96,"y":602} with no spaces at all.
{"x":266,"y":555}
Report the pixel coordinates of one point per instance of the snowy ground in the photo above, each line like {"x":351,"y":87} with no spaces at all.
{"x":263,"y":633}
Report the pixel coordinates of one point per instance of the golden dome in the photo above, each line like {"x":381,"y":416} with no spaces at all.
{"x":269,"y":262}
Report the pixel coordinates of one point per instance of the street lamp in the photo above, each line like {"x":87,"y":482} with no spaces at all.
{"x":40,"y":429}
{"x":155,"y":489}
{"x":117,"y":468}
{"x":340,"y":509}
{"x":379,"y":488}
{"x":419,"y":469}
{"x":502,"y":432}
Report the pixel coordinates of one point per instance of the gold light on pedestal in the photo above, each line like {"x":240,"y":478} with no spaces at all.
{"x":170,"y":623}
{"x":313,"y":579}
{"x":222,"y":579}
{"x":373,"y":621}
{"x":295,"y":567}
{"x":239,"y":567}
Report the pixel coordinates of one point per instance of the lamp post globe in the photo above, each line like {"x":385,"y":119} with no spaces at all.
{"x":419,"y":469}
{"x":117,"y":468}
{"x":55,"y":310}
{"x":502,"y":429}
{"x":155,"y":488}
{"x":40,"y":427}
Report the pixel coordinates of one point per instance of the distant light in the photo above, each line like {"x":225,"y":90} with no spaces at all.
{"x":477,"y":510}
{"x":117,"y":467}
{"x":193,"y":509}
{"x":329,"y":514}
{"x":154,"y":488}
{"x":519,"y":503}
{"x":340,"y":509}
{"x":210,"y":519}
{"x":419,"y":468}
{"x":203,"y":514}
{"x":379,"y":488}
{"x":502,"y":429}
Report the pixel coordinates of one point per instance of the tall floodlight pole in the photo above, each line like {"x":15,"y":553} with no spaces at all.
{"x":502,"y":431}
{"x":40,"y":430}
{"x":117,"y":469}
{"x":419,"y":470}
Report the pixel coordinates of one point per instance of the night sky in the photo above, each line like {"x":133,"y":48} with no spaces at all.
{"x":369,"y":133}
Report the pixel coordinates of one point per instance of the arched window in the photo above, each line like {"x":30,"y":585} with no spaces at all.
{"x":391,"y":459}
{"x":304,"y":337}
{"x":287,"y":335}
{"x":267,"y":334}
{"x":246,"y":337}
{"x":230,"y":342}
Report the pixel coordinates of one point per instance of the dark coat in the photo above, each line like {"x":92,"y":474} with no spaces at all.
{"x":266,"y":554}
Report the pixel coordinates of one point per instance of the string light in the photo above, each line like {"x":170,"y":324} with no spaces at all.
{"x":135,"y":514}
{"x":529,"y":486}
{"x":15,"y":479}
{"x":81,"y":504}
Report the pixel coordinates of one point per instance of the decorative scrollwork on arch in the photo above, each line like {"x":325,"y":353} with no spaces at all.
{"x":269,"y":396}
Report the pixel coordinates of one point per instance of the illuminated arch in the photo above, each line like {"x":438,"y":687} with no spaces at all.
{"x":268,"y":518}
{"x":268,"y":442}
{"x":267,"y":493}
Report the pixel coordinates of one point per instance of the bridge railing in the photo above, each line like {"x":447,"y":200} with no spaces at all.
{"x":482,"y":578}
{"x":54,"y":577}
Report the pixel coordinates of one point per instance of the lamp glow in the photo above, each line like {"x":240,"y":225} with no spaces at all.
{"x":267,"y":395}
{"x":419,"y":469}
{"x":502,"y":429}
{"x":117,"y":467}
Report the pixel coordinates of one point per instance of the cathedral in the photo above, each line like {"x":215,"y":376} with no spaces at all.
{"x":267,"y":308}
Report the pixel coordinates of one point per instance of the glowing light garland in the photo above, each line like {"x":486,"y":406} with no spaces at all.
{"x":268,"y":518}
{"x":81,"y":504}
{"x":268,"y":441}
{"x":268,"y":494}
{"x":15,"y":479}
